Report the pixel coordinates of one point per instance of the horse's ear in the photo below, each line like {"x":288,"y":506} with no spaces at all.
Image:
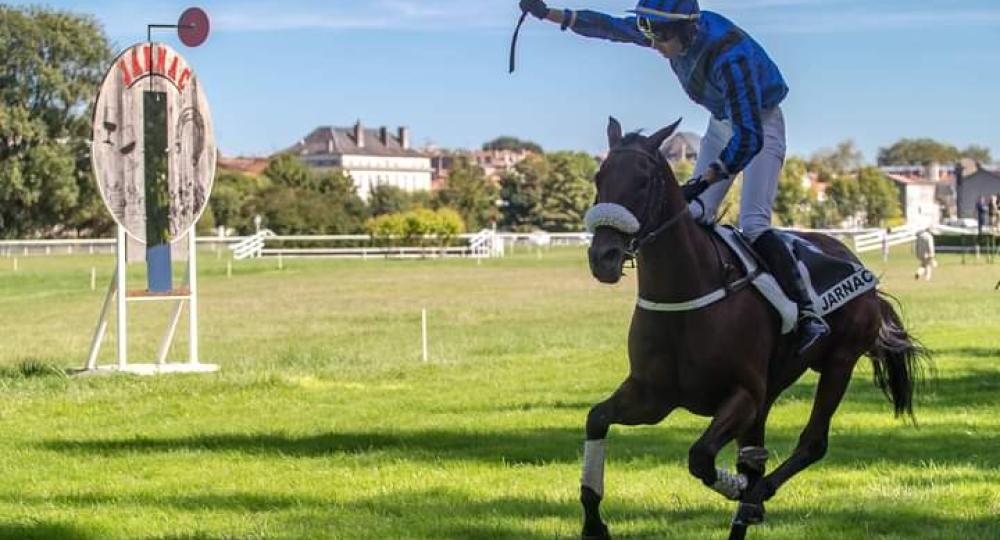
{"x":614,"y":132}
{"x":656,"y":140}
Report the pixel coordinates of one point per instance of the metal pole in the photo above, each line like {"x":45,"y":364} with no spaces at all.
{"x":121,"y":280}
{"x":168,"y":337}
{"x":193,"y":299}
{"x":102,"y":325}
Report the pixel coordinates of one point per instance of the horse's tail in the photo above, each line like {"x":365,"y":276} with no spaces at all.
{"x":898,"y":359}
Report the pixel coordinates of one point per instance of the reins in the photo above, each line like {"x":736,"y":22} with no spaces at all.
{"x":642,"y":239}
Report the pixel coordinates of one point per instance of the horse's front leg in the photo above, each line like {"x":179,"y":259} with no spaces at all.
{"x":734,"y":417}
{"x":632,"y":404}
{"x":751,"y":462}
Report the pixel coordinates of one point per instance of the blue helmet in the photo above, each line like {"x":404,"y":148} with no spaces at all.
{"x":667,"y":10}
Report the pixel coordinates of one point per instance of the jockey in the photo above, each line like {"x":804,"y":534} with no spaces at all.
{"x":727,"y":72}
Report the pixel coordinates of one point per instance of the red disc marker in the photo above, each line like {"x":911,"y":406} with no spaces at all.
{"x":193,"y":27}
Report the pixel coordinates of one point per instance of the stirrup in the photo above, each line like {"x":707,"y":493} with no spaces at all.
{"x":818,"y":329}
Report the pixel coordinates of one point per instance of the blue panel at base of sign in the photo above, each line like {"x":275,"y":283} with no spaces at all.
{"x":159,"y":272}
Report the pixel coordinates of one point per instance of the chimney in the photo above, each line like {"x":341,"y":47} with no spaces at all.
{"x":934,"y":171}
{"x":383,"y":133}
{"x":329,"y":144}
{"x":959,"y":180}
{"x":404,"y":138}
{"x":359,"y":134}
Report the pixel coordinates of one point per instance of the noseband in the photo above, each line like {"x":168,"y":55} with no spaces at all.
{"x":647,"y":229}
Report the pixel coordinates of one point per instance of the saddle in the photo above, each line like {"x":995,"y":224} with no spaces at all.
{"x":832,"y":282}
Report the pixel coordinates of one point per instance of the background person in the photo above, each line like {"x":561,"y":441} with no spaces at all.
{"x":925,"y":255}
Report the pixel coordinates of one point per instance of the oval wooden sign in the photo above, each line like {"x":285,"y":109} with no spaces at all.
{"x":153,"y":147}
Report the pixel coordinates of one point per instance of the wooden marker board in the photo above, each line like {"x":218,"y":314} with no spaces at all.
{"x":175,"y":148}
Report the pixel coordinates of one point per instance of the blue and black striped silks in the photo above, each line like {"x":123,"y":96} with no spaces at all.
{"x":724,"y":70}
{"x":667,"y":10}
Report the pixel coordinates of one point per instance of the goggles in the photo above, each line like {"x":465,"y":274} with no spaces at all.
{"x":645,"y":26}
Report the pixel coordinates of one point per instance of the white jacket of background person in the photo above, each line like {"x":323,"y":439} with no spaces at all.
{"x":925,"y":247}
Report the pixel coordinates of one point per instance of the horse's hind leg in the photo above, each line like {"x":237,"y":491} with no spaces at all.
{"x":736,"y":415}
{"x":833,"y":383}
{"x":631,"y":405}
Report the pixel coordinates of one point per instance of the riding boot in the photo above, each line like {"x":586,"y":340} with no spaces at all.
{"x":785,"y":269}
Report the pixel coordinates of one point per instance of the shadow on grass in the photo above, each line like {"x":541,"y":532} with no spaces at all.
{"x":976,"y":388}
{"x":652,"y":446}
{"x":43,"y":531}
{"x":453,"y":514}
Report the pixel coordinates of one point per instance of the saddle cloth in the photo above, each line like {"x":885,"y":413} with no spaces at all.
{"x":831,"y":282}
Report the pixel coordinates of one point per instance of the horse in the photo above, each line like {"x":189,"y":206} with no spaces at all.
{"x":728,"y":360}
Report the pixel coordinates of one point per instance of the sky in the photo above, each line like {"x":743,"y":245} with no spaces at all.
{"x":871,"y":71}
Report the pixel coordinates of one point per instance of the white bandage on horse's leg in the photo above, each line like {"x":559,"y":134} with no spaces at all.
{"x":730,"y":485}
{"x":593,"y":465}
{"x":611,"y":215}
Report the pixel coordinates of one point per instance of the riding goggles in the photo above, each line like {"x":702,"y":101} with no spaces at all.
{"x":645,"y":26}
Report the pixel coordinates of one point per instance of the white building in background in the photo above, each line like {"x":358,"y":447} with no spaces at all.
{"x":371,"y":157}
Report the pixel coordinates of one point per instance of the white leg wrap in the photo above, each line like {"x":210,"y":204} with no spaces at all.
{"x":593,"y":465}
{"x":730,"y":485}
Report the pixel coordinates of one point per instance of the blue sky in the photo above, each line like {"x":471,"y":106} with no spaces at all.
{"x":873,"y":71}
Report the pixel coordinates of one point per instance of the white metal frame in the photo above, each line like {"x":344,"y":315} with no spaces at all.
{"x":118,"y":292}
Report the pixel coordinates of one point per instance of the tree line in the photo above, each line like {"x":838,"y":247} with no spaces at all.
{"x":545,"y":191}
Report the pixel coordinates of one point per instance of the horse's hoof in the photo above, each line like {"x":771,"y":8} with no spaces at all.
{"x":749,"y":514}
{"x":601,"y":533}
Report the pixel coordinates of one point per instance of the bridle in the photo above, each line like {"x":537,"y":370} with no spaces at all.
{"x":652,"y":224}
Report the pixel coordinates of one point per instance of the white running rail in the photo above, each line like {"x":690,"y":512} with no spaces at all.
{"x":484,"y":245}
{"x":877,"y":240}
{"x":252,"y":247}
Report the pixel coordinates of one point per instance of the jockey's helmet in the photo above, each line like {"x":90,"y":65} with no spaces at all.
{"x":667,"y":10}
{"x":662,"y":20}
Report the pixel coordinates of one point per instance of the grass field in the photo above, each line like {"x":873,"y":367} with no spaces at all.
{"x":324,"y":423}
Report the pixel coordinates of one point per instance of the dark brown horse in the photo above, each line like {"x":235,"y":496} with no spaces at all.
{"x":728,"y":360}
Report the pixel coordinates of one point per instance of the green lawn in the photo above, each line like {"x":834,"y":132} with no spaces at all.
{"x":324,"y":423}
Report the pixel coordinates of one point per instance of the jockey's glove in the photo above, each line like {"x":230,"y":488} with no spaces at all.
{"x":535,"y":7}
{"x":694,"y":188}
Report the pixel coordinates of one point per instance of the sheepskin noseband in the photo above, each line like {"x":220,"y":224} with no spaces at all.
{"x":612,"y":215}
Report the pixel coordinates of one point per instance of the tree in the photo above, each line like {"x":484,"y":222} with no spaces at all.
{"x":880,"y":197}
{"x":791,"y":205}
{"x":386,"y":199}
{"x":917,"y":152}
{"x":977,"y":153}
{"x":232,"y":194}
{"x":513,"y":144}
{"x":822,"y":215}
{"x":521,"y":194}
{"x":50,"y":63}
{"x":836,"y":162}
{"x":292,"y":211}
{"x":845,"y":195}
{"x":413,"y":226}
{"x":470,"y":193}
{"x":568,"y":191}
{"x":289,"y":171}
